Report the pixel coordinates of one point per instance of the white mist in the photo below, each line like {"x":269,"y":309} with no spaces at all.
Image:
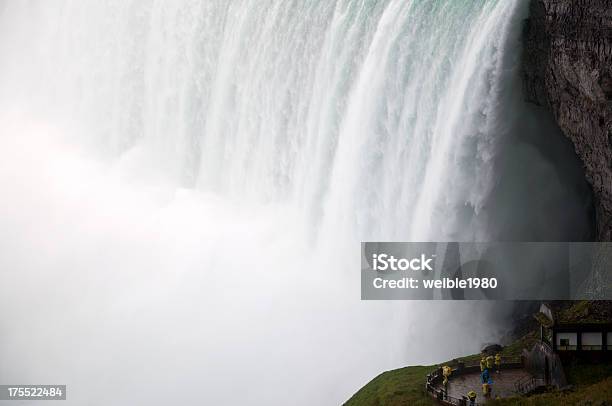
{"x":185,"y":185}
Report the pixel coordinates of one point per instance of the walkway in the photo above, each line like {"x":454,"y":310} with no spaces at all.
{"x":503,"y":383}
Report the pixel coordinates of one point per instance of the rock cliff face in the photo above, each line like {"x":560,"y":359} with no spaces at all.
{"x":568,"y":69}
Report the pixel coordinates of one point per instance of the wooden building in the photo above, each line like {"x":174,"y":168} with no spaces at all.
{"x":589,"y":340}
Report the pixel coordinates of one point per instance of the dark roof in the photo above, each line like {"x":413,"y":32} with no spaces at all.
{"x":586,"y":312}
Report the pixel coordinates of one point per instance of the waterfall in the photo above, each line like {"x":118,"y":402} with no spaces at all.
{"x":185,"y":184}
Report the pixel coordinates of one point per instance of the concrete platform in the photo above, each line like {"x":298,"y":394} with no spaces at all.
{"x":503,"y":384}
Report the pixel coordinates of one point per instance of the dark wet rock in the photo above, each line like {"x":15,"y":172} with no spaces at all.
{"x":492,"y":349}
{"x":568,"y":69}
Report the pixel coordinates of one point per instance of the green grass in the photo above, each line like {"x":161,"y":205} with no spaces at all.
{"x":400,"y":387}
{"x":592,"y":384}
{"x":598,"y":394}
{"x":584,"y":374}
{"x":405,"y":386}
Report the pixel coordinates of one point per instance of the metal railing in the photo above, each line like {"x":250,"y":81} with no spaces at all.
{"x":505,"y":361}
{"x":528,"y":384}
{"x":592,"y":347}
{"x":442,"y":397}
{"x":440,"y":394}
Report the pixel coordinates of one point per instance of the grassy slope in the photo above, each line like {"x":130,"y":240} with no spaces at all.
{"x":599,"y":394}
{"x":402,"y":386}
{"x":405,"y":386}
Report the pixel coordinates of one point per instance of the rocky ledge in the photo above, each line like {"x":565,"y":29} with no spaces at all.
{"x":568,"y":69}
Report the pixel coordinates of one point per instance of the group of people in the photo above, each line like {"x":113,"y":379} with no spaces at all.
{"x":487,"y":365}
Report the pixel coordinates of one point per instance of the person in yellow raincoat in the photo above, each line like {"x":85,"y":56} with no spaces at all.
{"x":490,"y":363}
{"x":486,"y":382}
{"x":483,"y":364}
{"x":446,"y":373}
{"x":498,"y":361}
{"x":486,"y":390}
{"x":472,"y":397}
